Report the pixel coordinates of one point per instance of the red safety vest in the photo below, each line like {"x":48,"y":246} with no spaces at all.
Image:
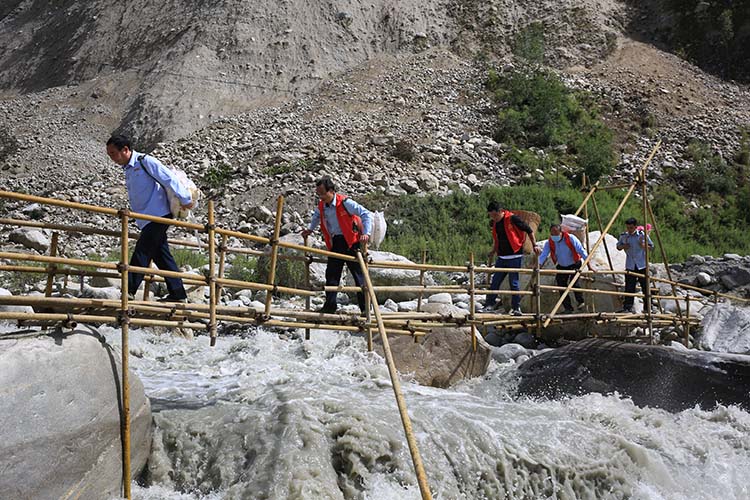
{"x":566,"y":239}
{"x":351,"y":225}
{"x":515,"y":235}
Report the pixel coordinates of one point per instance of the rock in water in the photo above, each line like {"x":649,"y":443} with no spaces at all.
{"x":441,"y":358}
{"x":653,"y":376}
{"x":61,"y":414}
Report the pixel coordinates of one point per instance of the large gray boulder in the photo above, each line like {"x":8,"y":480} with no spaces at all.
{"x":655,"y":376}
{"x":726,"y":328}
{"x":441,"y":358}
{"x":30,"y":238}
{"x":61,"y":414}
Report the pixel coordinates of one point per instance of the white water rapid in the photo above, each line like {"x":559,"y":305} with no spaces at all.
{"x":265,"y":417}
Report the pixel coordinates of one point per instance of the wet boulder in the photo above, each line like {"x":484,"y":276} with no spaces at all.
{"x":61,"y":407}
{"x":655,"y":376}
{"x":440,"y":358}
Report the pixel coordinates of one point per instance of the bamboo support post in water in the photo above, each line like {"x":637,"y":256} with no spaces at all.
{"x":124,"y":326}
{"x":472,"y":302}
{"x":211,"y":227}
{"x":51,"y":268}
{"x":410,"y":439}
{"x":307,"y":283}
{"x":274,"y":252}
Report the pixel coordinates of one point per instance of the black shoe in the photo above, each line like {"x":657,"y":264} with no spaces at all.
{"x":172,"y":299}
{"x":328,"y":309}
{"x":626,"y":310}
{"x":568,"y":311}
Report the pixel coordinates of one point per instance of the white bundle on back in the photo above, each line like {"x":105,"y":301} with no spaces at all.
{"x":174,"y":202}
{"x":379,"y":227}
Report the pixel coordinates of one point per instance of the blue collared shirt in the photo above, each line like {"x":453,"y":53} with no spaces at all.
{"x":332,"y":222}
{"x":635,"y":256}
{"x":146,"y":195}
{"x":562,"y":251}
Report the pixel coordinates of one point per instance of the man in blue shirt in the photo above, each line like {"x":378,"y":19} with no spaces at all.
{"x":344,"y":224}
{"x":568,"y":254}
{"x":146,"y":178}
{"x":634,"y":242}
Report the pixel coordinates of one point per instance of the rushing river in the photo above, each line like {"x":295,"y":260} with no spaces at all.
{"x":262,"y":416}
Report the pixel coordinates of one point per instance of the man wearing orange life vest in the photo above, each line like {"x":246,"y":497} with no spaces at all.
{"x":509,"y":233}
{"x":344,"y":224}
{"x":567,"y":253}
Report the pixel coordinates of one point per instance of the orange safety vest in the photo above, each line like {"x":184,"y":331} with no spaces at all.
{"x":515,"y":235}
{"x":351,"y":225}
{"x":566,"y":238}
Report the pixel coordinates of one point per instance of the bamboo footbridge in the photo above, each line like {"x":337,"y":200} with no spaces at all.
{"x":58,"y":312}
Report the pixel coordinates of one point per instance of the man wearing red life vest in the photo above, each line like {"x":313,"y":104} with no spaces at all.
{"x":567,"y":253}
{"x":509,"y":233}
{"x":344,"y":224}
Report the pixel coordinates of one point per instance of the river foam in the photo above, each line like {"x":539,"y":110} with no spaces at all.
{"x":269,"y":416}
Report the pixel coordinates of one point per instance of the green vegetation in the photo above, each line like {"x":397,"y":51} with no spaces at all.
{"x":216,"y":176}
{"x":243,"y":268}
{"x":304,"y":164}
{"x":713,"y":34}
{"x":189,"y":257}
{"x":451,"y":227}
{"x":546,"y":123}
{"x":288,"y":272}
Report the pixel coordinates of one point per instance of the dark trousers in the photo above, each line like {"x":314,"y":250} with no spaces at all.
{"x":152,"y":246}
{"x":515,"y":282}
{"x":564,"y":279}
{"x":336,"y":267}
{"x":630,"y":280}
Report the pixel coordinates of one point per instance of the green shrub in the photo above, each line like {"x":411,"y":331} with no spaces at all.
{"x":538,"y":111}
{"x":190,"y":257}
{"x":243,"y":268}
{"x":288,"y":272}
{"x":216,"y":176}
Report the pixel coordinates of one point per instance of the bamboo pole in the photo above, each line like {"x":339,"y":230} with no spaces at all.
{"x":274,"y":252}
{"x":537,"y":298}
{"x":307,"y":283}
{"x":586,"y":198}
{"x":647,"y":253}
{"x":211,"y":227}
{"x":663,"y":255}
{"x":472,"y":302}
{"x":51,"y":268}
{"x":124,"y":326}
{"x":222,"y":264}
{"x":601,"y":238}
{"x":410,"y":439}
{"x":686,"y":324}
{"x":421,"y":279}
{"x":57,"y":260}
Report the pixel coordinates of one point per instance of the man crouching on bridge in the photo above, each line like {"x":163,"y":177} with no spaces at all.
{"x":145,"y":177}
{"x":344,"y":224}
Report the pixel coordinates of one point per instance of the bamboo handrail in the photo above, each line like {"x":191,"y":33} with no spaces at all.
{"x":211,"y":273}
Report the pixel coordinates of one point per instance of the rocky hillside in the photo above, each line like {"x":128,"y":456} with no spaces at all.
{"x":257,"y":100}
